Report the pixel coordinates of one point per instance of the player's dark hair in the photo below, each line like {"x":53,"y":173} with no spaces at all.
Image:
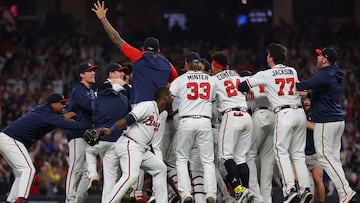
{"x":278,"y":52}
{"x":161,"y":92}
{"x":221,"y":58}
{"x":128,"y":66}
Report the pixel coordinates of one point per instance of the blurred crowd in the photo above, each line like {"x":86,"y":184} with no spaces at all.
{"x":35,"y":63}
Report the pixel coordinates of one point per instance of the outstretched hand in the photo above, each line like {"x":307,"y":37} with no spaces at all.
{"x":100,"y":9}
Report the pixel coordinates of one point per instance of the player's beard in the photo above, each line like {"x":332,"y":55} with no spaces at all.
{"x":168,"y":106}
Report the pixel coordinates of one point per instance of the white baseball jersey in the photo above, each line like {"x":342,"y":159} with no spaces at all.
{"x":260,"y":98}
{"x":290,"y":127}
{"x":279,"y":83}
{"x":147,"y":122}
{"x":227,"y":95}
{"x":198,"y":91}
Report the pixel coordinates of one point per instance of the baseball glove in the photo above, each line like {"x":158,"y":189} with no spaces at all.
{"x":91,"y":137}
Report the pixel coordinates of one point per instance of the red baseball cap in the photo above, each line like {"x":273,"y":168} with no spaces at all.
{"x":329,"y":53}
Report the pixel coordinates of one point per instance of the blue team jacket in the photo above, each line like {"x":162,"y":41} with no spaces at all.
{"x":37,"y":122}
{"x":150,"y":72}
{"x":326,"y":89}
{"x":80,"y":103}
{"x":108,"y":107}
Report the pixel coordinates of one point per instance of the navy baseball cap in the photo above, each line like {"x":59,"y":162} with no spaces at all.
{"x":329,"y":53}
{"x":192,"y":56}
{"x":53,"y":98}
{"x":114,"y":67}
{"x":151,"y":44}
{"x":206,"y":64}
{"x":84,"y":67}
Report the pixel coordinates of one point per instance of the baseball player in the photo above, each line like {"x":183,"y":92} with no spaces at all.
{"x":195,"y":167}
{"x":116,"y":73}
{"x":262,"y":146}
{"x":133,"y":146}
{"x":235,"y":132}
{"x":328,"y":119}
{"x":108,"y":107}
{"x":16,"y":138}
{"x":194,"y":91}
{"x":150,"y":69}
{"x":77,"y":180}
{"x":312,"y":162}
{"x":290,"y":121}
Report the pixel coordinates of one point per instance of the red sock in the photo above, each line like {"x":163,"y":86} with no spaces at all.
{"x":20,"y":199}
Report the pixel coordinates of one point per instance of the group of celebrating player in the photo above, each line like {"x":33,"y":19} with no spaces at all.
{"x":276,"y":130}
{"x":200,"y":132}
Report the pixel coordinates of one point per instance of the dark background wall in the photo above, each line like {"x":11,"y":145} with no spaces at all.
{"x":200,"y":13}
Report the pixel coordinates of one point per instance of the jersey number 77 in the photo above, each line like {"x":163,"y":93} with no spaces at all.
{"x":285,"y":81}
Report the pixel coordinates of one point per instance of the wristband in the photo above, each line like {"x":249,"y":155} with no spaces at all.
{"x":115,"y":127}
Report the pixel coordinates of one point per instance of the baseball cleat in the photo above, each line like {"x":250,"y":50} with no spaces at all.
{"x":306,"y":196}
{"x":291,"y":197}
{"x":241,"y":193}
{"x":353,"y":198}
{"x":152,"y":199}
{"x":140,"y":199}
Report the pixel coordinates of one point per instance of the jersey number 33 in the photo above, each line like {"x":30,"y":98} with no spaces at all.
{"x":198,"y":91}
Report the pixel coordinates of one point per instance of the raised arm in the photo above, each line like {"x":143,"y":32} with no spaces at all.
{"x":100,"y":11}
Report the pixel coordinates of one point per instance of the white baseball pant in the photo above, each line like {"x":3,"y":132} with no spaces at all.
{"x":111,"y":165}
{"x":158,"y":147}
{"x":77,"y":180}
{"x":132,"y":157}
{"x":235,"y":134}
{"x":18,"y":158}
{"x":195,"y":131}
{"x":262,"y":147}
{"x":289,"y":144}
{"x":327,"y":140}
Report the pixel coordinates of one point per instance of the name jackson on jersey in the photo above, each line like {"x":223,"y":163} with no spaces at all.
{"x":284,"y":71}
{"x":150,"y":121}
